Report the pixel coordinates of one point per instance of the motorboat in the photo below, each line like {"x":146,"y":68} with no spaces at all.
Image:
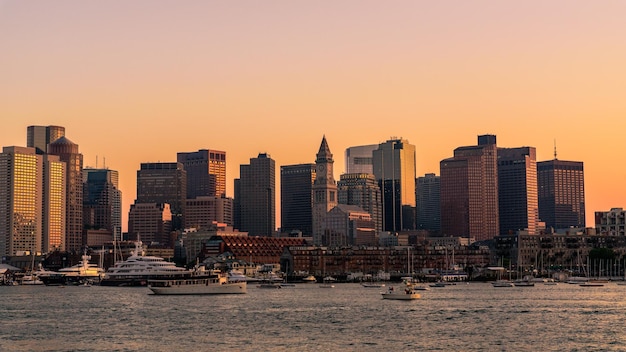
{"x":523,"y":283}
{"x":404,"y":292}
{"x":270,"y":285}
{"x":139,"y":268}
{"x":214,"y":284}
{"x":309,"y":279}
{"x":502,"y":283}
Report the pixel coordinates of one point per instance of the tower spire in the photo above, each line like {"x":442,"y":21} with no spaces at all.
{"x":555,"y":149}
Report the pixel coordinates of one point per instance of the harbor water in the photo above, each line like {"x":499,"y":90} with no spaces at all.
{"x":349,"y":317}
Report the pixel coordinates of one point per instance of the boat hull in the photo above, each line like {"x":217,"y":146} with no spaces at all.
{"x":206,"y":286}
{"x":401,"y":296}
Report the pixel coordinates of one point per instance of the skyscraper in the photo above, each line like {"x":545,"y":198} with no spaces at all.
{"x":428,"y":204}
{"x":517,"y":190}
{"x":68,"y":153}
{"x":359,"y":159}
{"x":324,"y":191}
{"x":150,"y":222}
{"x":54,"y":203}
{"x":296,"y":198}
{"x":206,"y":172}
{"x":394,"y":169}
{"x":39,"y":137}
{"x":102,"y":200}
{"x":362,"y":190}
{"x":469,"y":191}
{"x":164,"y":183}
{"x":257,"y":192}
{"x":20,"y":201}
{"x":561,"y":193}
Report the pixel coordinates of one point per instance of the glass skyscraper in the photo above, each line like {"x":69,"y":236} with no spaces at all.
{"x":561,"y":193}
{"x":296,"y":198}
{"x":257,"y":192}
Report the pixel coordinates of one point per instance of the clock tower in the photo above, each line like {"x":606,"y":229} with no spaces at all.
{"x":324,"y":191}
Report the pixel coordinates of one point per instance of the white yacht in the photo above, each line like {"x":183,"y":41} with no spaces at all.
{"x":139,"y":268}
{"x":405,"y":292}
{"x":82,"y":273}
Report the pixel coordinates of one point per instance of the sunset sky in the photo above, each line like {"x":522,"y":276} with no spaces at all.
{"x":138,"y":81}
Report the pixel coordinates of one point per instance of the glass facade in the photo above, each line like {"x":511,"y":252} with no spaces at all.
{"x":561,"y":188}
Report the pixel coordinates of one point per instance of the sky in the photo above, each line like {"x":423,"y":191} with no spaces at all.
{"x":138,"y":81}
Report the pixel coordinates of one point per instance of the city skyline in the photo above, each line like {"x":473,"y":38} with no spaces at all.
{"x":166,"y":79}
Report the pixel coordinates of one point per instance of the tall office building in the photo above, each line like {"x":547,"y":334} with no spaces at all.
{"x":561,"y":193}
{"x":203,"y":212}
{"x":20,"y":201}
{"x":54,"y":203}
{"x":469,"y":191}
{"x":102,"y":200}
{"x":428,"y":203}
{"x":68,"y":153}
{"x":206,"y":172}
{"x":150,"y":222}
{"x":39,"y":137}
{"x":164,"y":183}
{"x":394,"y":169}
{"x":362,"y":190}
{"x":257,"y":196}
{"x":296,"y":198}
{"x":517,"y":190}
{"x":359,"y":159}
{"x":324,"y":191}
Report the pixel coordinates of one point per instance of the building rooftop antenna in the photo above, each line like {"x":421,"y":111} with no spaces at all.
{"x":554,"y":149}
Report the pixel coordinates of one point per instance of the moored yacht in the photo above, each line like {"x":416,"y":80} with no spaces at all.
{"x":139,"y":268}
{"x":80,"y":273}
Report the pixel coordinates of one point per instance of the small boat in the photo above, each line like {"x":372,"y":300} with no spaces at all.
{"x":215,"y":283}
{"x":438,"y":284}
{"x":372,"y":284}
{"x":524,"y":283}
{"x":269,"y":285}
{"x":403,"y":293}
{"x":502,"y":283}
{"x":592,"y":283}
{"x":309,"y":279}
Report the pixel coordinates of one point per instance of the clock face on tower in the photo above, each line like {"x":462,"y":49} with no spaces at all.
{"x":321,"y":168}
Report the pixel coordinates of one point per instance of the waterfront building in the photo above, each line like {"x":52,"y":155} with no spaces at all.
{"x":469,"y":191}
{"x":612,"y":222}
{"x":54,"y":203}
{"x":428,"y":203}
{"x":517,"y":190}
{"x":296,"y":198}
{"x":196,"y":243}
{"x":361,"y":189}
{"x":256,"y":196}
{"x":359,"y":159}
{"x":561,"y":189}
{"x":203,"y":212}
{"x":68,"y":153}
{"x":39,"y":137}
{"x":20,"y":201}
{"x":150,"y":223}
{"x":394,"y":169}
{"x":324,"y":191}
{"x":206,"y":172}
{"x":349,"y":225}
{"x":102,"y":200}
{"x":164,"y":183}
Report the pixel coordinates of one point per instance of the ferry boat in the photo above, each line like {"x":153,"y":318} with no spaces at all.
{"x":139,"y":268}
{"x":214,"y":284}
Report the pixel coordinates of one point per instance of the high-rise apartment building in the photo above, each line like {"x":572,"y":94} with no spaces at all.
{"x":428,"y":204}
{"x":68,"y":153}
{"x":102,"y":200}
{"x":39,"y":137}
{"x":206,"y":172}
{"x":517,"y":190}
{"x":469,"y":191}
{"x":21,"y":195}
{"x":561,"y":188}
{"x":54,"y":203}
{"x":394,"y":169}
{"x":150,"y":222}
{"x":164,"y":183}
{"x":359,"y":159}
{"x":257,"y":196}
{"x":203,"y":212}
{"x":296,"y":198}
{"x":324,"y":191}
{"x":362,"y":190}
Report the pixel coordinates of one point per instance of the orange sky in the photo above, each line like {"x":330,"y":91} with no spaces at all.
{"x":139,"y":81}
